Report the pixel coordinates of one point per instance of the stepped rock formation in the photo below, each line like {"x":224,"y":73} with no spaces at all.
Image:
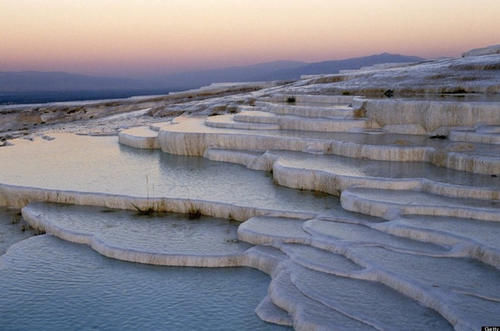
{"x":366,"y":211}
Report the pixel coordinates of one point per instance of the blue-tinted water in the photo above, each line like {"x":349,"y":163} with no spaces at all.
{"x":11,"y":229}
{"x":13,"y":98}
{"x":50,"y":284}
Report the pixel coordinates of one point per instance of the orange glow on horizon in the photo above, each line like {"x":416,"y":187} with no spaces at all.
{"x":132,"y":37}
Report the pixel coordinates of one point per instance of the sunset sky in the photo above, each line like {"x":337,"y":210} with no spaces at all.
{"x":142,"y":37}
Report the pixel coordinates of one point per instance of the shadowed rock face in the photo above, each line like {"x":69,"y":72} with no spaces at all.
{"x":400,"y":229}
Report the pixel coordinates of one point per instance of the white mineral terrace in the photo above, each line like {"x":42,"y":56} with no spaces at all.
{"x":347,"y":135}
{"x":366,"y":213}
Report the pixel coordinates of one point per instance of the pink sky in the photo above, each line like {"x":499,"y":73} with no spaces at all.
{"x":136,"y":37}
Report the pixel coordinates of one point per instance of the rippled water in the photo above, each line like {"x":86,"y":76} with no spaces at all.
{"x":50,"y":284}
{"x":156,"y":234}
{"x":11,"y":229}
{"x":100,"y":164}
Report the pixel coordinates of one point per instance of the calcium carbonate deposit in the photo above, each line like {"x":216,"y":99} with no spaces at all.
{"x":366,"y":211}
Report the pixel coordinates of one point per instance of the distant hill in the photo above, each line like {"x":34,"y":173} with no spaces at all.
{"x":33,"y":81}
{"x":62,"y":81}
{"x":333,"y":67}
{"x":256,"y":72}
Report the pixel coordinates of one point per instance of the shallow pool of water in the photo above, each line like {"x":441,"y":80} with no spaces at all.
{"x":12,"y":229}
{"x":50,"y":284}
{"x":100,"y":164}
{"x":170,"y":234}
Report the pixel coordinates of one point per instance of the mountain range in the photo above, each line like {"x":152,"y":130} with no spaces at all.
{"x":278,"y":70}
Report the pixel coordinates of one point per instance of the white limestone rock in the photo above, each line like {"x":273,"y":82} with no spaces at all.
{"x":430,"y":115}
{"x":483,"y":51}
{"x":227,"y":121}
{"x":172,"y":240}
{"x":389,"y":204}
{"x":269,"y":312}
{"x":191,"y":137}
{"x":141,"y":137}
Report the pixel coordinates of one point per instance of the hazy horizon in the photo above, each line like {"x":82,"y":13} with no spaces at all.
{"x":222,"y":67}
{"x":132,"y":38}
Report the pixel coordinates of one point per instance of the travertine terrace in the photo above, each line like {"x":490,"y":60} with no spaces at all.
{"x":404,"y":159}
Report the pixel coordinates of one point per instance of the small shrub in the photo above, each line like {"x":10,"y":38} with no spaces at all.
{"x":194,"y":214}
{"x":16,"y":218}
{"x":438,"y":136}
{"x":38,"y":232}
{"x":389,"y":93}
{"x":150,"y":211}
{"x":457,"y":91}
{"x":146,"y":212}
